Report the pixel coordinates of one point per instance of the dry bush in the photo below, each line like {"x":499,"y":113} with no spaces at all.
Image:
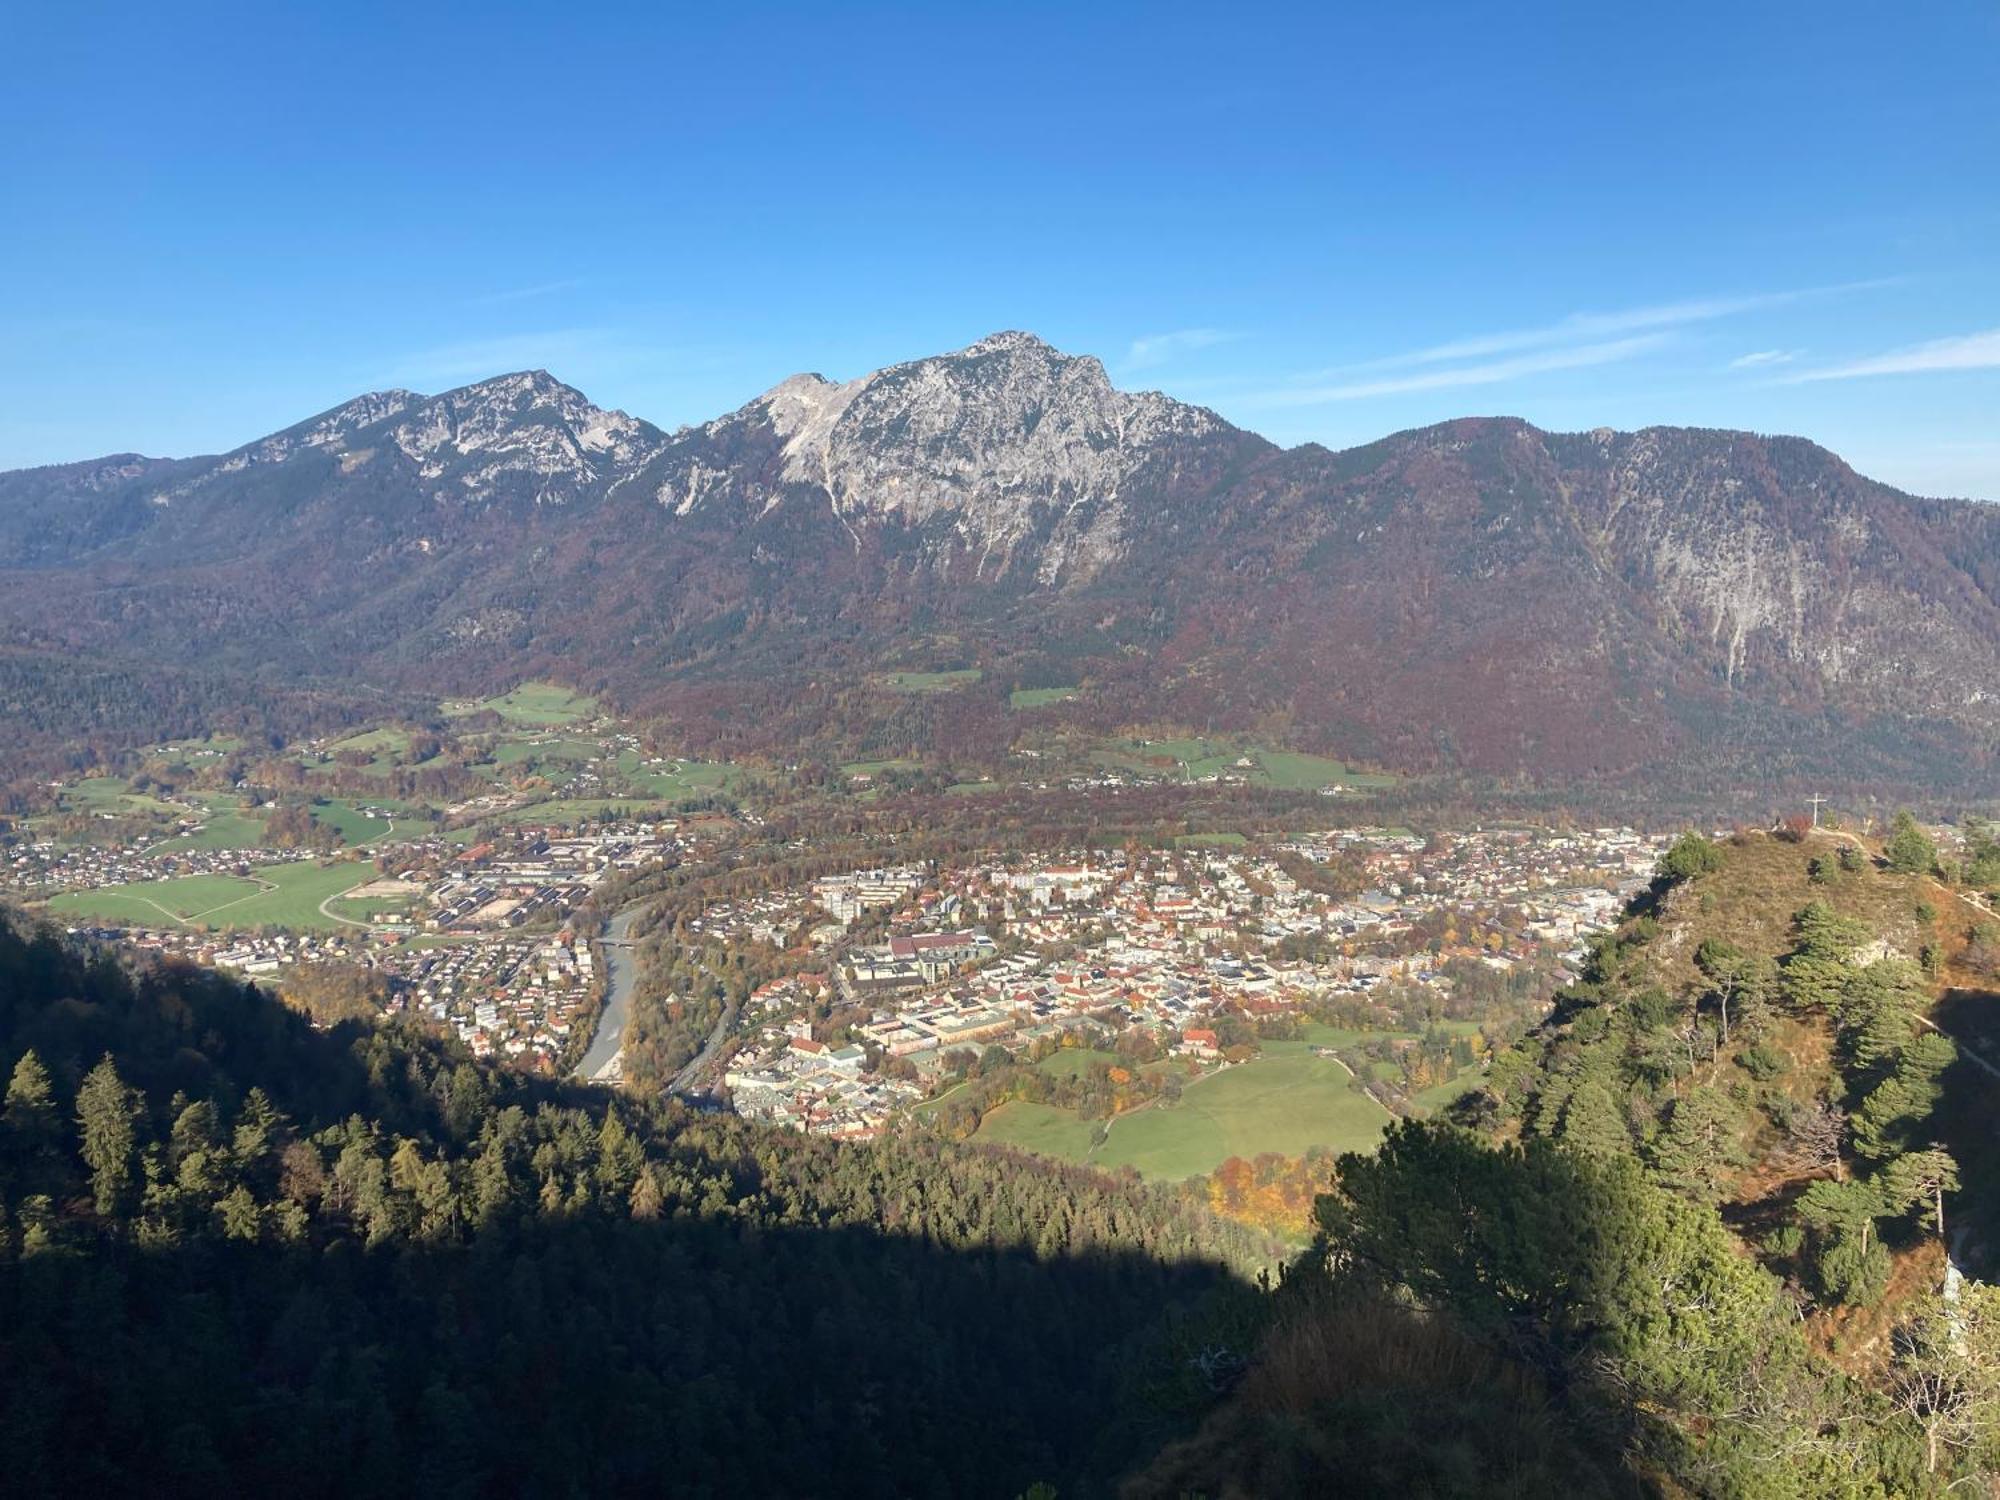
{"x":1361,"y":1396}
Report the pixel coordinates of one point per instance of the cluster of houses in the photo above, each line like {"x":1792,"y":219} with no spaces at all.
{"x":258,"y":955}
{"x":517,"y":998}
{"x":37,"y":868}
{"x":821,"y":1089}
{"x":1165,"y":942}
{"x":473,"y":938}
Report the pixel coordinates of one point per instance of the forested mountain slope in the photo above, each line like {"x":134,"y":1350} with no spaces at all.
{"x":242,"y":1255}
{"x":1477,"y":596}
{"x":1692,"y":1236}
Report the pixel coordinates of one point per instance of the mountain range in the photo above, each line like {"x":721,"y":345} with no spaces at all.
{"x":1477,"y":596}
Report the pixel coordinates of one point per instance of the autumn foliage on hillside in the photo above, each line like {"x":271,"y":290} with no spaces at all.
{"x":1270,"y":1192}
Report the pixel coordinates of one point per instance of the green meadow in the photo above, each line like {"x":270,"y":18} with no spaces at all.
{"x":1041,"y":1128}
{"x":538,"y":751}
{"x":679,"y":780}
{"x":347,"y":819}
{"x":1072,"y":1062}
{"x":574,"y":810}
{"x":539,"y":703}
{"x":1197,"y":759}
{"x":112,"y":794}
{"x":1284,"y":1102}
{"x":928,"y":682}
{"x":223,"y":828}
{"x":284,"y":895}
{"x":373,"y":741}
{"x":1040,"y":697}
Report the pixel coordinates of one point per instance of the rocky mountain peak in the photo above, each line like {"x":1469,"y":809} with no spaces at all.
{"x":526,"y":426}
{"x":330,"y":429}
{"x":1012,"y":341}
{"x":1002,"y":425}
{"x":1007,"y":449}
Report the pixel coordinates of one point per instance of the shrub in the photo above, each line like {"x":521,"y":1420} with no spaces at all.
{"x":1690,"y":855}
{"x":1763,"y":1063}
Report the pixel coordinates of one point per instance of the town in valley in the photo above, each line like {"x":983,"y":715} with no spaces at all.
{"x":1168,"y":1007}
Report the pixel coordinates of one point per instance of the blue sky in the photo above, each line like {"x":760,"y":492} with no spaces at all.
{"x":1327,"y":222}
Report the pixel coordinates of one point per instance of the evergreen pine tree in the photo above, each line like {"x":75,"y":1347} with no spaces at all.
{"x":105,"y":1110}
{"x":1592,"y":1122}
{"x":1910,"y":850}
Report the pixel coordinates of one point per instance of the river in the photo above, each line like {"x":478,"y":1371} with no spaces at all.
{"x":621,"y":970}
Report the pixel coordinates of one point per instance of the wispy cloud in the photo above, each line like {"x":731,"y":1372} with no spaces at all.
{"x":524,"y":293}
{"x":1158,"y":348}
{"x":1582,"y":328}
{"x":1967,"y":351}
{"x":1492,"y":372}
{"x":1588,"y":327}
{"x":1577,"y":341}
{"x":1763,"y":359}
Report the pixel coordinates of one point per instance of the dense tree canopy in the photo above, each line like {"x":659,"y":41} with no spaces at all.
{"x":243,"y":1253}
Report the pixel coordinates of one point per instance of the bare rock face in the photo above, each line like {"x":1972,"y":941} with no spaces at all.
{"x":1000,"y":448}
{"x":522,"y":429}
{"x":1770,"y":559}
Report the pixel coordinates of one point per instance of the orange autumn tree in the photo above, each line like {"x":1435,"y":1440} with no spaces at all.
{"x":1272,"y":1192}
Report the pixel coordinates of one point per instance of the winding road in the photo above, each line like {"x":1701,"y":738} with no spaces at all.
{"x":685,"y":1079}
{"x":325,"y":908}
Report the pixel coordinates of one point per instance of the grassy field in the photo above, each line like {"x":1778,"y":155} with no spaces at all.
{"x":1293,"y":772}
{"x":1040,"y":697}
{"x":228,"y":828}
{"x":362,"y":910}
{"x":205,"y":749}
{"x":1438,"y":1096}
{"x":346,"y":819}
{"x":1040,"y":1128}
{"x":928,"y":682}
{"x":533,"y":752}
{"x":1319,"y":1034}
{"x":1071,"y":1061}
{"x":1195,"y":759}
{"x":112,"y":794}
{"x":1210,"y":840}
{"x":374,"y":741}
{"x":582,"y":809}
{"x":680,"y":780}
{"x":541,"y":703}
{"x":877,"y":767}
{"x":1285,"y":1102}
{"x":286,"y":895}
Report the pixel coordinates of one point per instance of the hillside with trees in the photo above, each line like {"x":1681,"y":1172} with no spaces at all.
{"x":244,"y":1254}
{"x":1707,"y":1231}
{"x":1716,"y":1227}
